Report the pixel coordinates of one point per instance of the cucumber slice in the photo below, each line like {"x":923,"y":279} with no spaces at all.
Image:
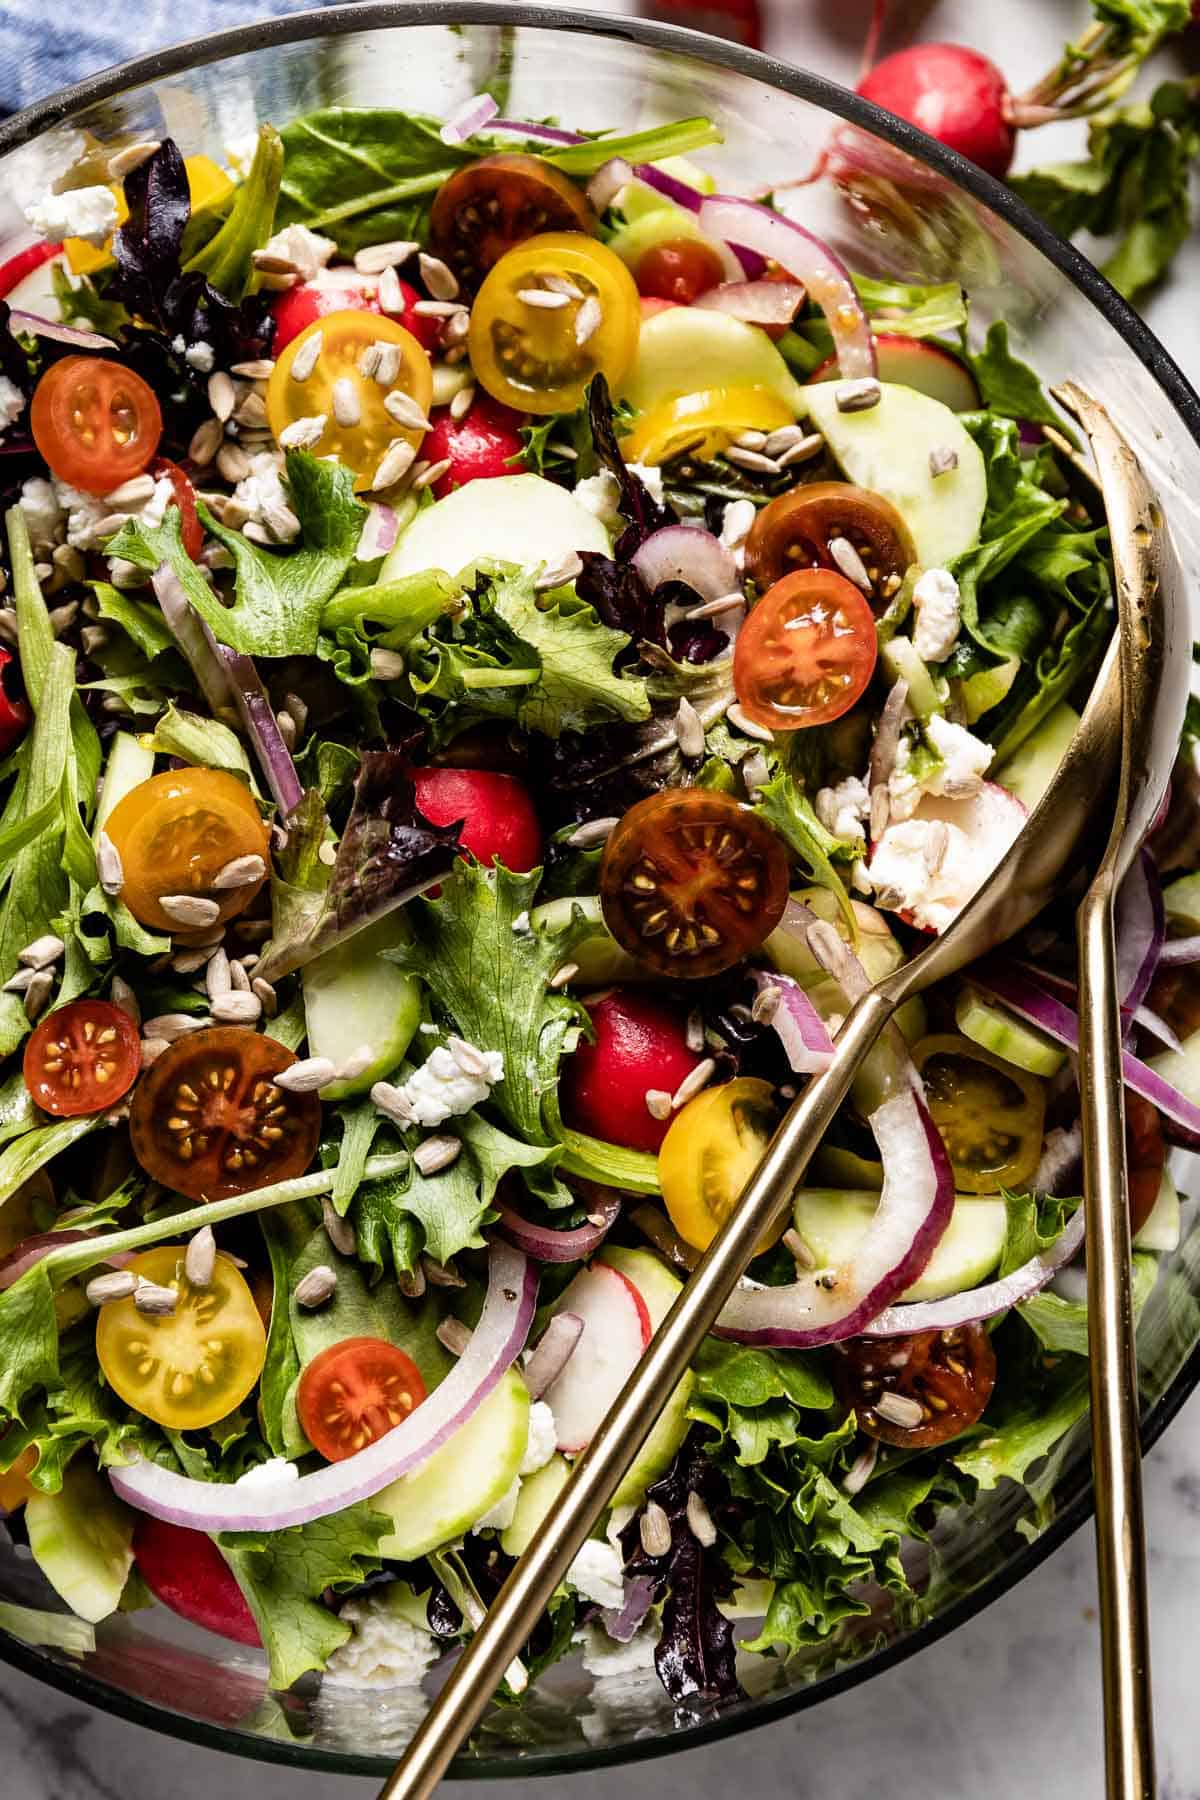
{"x":899,"y":657}
{"x":82,"y":1541}
{"x":1031,"y":768}
{"x":994,"y":1028}
{"x":461,"y":1481}
{"x":128,"y":765}
{"x":352,"y":996}
{"x":638,"y":197}
{"x":833,"y":1224}
{"x":876,"y":949}
{"x":662,"y":224}
{"x":688,"y":348}
{"x":1182,"y":901}
{"x":1181,"y":1067}
{"x":1162,"y":1229}
{"x":658,"y":1288}
{"x":538,"y":1493}
{"x":844,"y":1169}
{"x":887,"y":449}
{"x":512,"y":518}
{"x":600,"y":957}
{"x":987,"y":688}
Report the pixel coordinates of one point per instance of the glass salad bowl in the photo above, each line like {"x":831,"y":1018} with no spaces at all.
{"x":918,"y":213}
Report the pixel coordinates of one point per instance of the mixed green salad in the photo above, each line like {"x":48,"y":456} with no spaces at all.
{"x":501,"y":644}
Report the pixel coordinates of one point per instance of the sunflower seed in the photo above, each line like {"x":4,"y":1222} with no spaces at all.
{"x":454,"y":1336}
{"x":316,"y":1287}
{"x":850,"y":563}
{"x":560,"y":284}
{"x":239,"y":981}
{"x":751,"y":440}
{"x":898,"y":1409}
{"x":456,"y":329}
{"x":339,"y":1231}
{"x":287,"y":728}
{"x":443,"y":1275}
{"x":42,"y":952}
{"x":712,"y":609}
{"x":16,"y":984}
{"x":277,"y":284}
{"x":544,"y":298}
{"x":440,"y":280}
{"x":186,"y":962}
{"x":695,"y":1030}
{"x":561,"y":976}
{"x":169,"y":1026}
{"x":240,"y":871}
{"x":431,"y":472}
{"x":118,"y":1284}
{"x":222,"y":395}
{"x":691,"y":1084}
{"x":462,"y":403}
{"x":38,"y":993}
{"x":392,"y":1102}
{"x":373,"y":259}
{"x":751,"y":459}
{"x":436,"y":1153}
{"x":357,"y":1063}
{"x":689,"y":730}
{"x":153,"y":1298}
{"x":804,"y":451}
{"x":942,"y":462}
{"x":190,"y":910}
{"x":122,"y":995}
{"x":217,"y":978}
{"x":799,"y":1251}
{"x":457,"y":353}
{"x":131,"y":158}
{"x":347,"y":407}
{"x":411,"y":1282}
{"x":303,"y":434}
{"x":404,"y":409}
{"x":70,"y":560}
{"x":654,"y":1529}
{"x":765,"y":1005}
{"x":233,"y":462}
{"x":306,"y":357}
{"x":592,"y":833}
{"x":391,"y":294}
{"x":8,"y":625}
{"x":658,"y":1103}
{"x":261,"y":369}
{"x":700,"y":1521}
{"x":858,"y":396}
{"x":881,"y":809}
{"x":588,"y":319}
{"x":152,"y":1049}
{"x":754,"y":771}
{"x":267,"y":262}
{"x":470,"y":1060}
{"x":861,"y":1469}
{"x":134,"y":492}
{"x":394,"y":464}
{"x":307,"y":1076}
{"x":937,"y":842}
{"x":438,"y":309}
{"x":745,"y":724}
{"x":237,"y":1009}
{"x":555,"y":574}
{"x":200,"y":1257}
{"x":386,"y":665}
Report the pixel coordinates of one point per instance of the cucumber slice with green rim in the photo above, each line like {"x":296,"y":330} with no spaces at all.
{"x":1162,"y":1229}
{"x":353,"y":997}
{"x":600,"y":958}
{"x":638,"y":197}
{"x":993,"y":1028}
{"x":538,"y":1493}
{"x":129,"y":764}
{"x":687,"y":349}
{"x":1182,"y":901}
{"x":463,"y":1480}
{"x":987,"y":688}
{"x":833,"y":1223}
{"x":658,"y":1288}
{"x":1031,"y":768}
{"x":840,"y":1168}
{"x":887,"y":449}
{"x":512,"y":518}
{"x":82,"y":1541}
{"x":899,"y":657}
{"x":1181,"y":1068}
{"x":876,"y":948}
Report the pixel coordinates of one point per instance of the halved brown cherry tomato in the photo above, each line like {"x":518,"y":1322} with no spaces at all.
{"x":82,"y":1058}
{"x":1146,"y":1157}
{"x":691,"y":881}
{"x":96,"y":423}
{"x":794,"y":532}
{"x":989,"y":1113}
{"x":355,"y":1392}
{"x":176,"y":832}
{"x":209,"y":1121}
{"x":190,"y":528}
{"x":949,"y":1375}
{"x":187,"y":1368}
{"x":806,"y":652}
{"x":680,"y":271}
{"x":492,"y":205}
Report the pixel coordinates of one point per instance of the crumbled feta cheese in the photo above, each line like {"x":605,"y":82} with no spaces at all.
{"x":603,"y":1655}
{"x":179,"y":344}
{"x":597,"y":1574}
{"x":842,"y":809}
{"x":306,"y":249}
{"x":939,"y":615}
{"x":44,"y":517}
{"x":278,"y":1472}
{"x":264,"y":496}
{"x":521,"y":923}
{"x":385,"y":1651}
{"x":903,"y":880}
{"x":200,"y":356}
{"x":650,"y":478}
{"x":542,"y":1440}
{"x":965,"y":759}
{"x":904,"y":790}
{"x":501,"y":1515}
{"x":154,"y":510}
{"x":12,"y":403}
{"x":84,"y":512}
{"x":442,"y":1089}
{"x":600,"y":494}
{"x":89,"y":213}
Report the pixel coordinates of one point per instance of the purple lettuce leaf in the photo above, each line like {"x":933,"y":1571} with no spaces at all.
{"x":642,"y":513}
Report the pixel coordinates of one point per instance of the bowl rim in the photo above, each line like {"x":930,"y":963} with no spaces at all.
{"x":831,"y":97}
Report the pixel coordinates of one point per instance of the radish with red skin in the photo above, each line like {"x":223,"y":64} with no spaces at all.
{"x":498,"y":815}
{"x":912,"y":363}
{"x":956,"y":95}
{"x":15,"y":269}
{"x":484,"y":443}
{"x":185,"y":1570}
{"x":990,"y":822}
{"x":342,"y":289}
{"x":616,"y":1329}
{"x":640,"y":1044}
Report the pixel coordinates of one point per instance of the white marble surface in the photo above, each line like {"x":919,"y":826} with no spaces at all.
{"x":1009,"y":1705}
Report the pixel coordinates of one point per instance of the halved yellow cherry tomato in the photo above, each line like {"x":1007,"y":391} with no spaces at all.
{"x":187,"y":1368}
{"x":207,"y":184}
{"x":15,"y":1485}
{"x":990,"y":1114}
{"x":713,"y":1147}
{"x":176,"y":832}
{"x":550,"y":315}
{"x":703,"y":423}
{"x":359,"y":426}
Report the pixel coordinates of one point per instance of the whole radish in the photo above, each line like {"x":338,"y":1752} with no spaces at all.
{"x":954,"y":94}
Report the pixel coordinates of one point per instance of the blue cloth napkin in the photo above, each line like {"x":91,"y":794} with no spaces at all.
{"x":48,"y":44}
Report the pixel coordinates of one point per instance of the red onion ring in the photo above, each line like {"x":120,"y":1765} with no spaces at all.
{"x":1140,"y":928}
{"x":982,"y":1302}
{"x":32,"y":1249}
{"x":685,"y":553}
{"x":755,"y":302}
{"x":262,"y":728}
{"x":546,"y":1245}
{"x":607,"y":183}
{"x":469,"y":119}
{"x":552,"y":1353}
{"x":379,"y":532}
{"x":1178,"y":952}
{"x":61,"y":334}
{"x":495,"y":1344}
{"x":797,"y":1024}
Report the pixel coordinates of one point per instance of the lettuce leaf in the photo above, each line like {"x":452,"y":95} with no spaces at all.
{"x":364,"y":175}
{"x":227,"y":257}
{"x":1008,"y":386}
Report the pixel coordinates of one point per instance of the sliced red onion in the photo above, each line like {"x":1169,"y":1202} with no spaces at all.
{"x":32,"y":1249}
{"x":1140,"y":929}
{"x":797,"y":1023}
{"x":495,"y":1344}
{"x":553,"y":1352}
{"x":755,"y":302}
{"x":607,"y":183}
{"x":685,"y":553}
{"x":379,"y":532}
{"x":982,"y":1302}
{"x":262,"y":728}
{"x":1157,"y":1027}
{"x":196,"y":642}
{"x":1178,"y":952}
{"x":61,"y":334}
{"x":537,"y":134}
{"x":549,"y":1246}
{"x":623,"y":1626}
{"x":807,"y":260}
{"x":469,"y":119}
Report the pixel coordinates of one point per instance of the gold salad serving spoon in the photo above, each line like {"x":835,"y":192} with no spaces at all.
{"x":1053,"y":843}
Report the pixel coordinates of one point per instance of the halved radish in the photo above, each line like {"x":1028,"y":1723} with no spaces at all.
{"x":912,"y":363}
{"x":980,"y":830}
{"x":616,"y":1329}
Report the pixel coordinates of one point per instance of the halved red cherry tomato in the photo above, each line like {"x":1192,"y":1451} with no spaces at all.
{"x":794,"y":532}
{"x":947,"y":1375}
{"x":95,"y":423}
{"x":356,"y":1392}
{"x":185,"y":1570}
{"x":82,"y":1058}
{"x":1146,"y":1157}
{"x":14,"y":707}
{"x":209,"y":1121}
{"x":691,"y":881}
{"x":185,"y":499}
{"x":806,"y":652}
{"x":484,"y":443}
{"x":341,"y":290}
{"x":499,"y":820}
{"x":990,"y":1114}
{"x":176,"y":832}
{"x":491,"y":206}
{"x":679,"y":271}
{"x":640,"y":1044}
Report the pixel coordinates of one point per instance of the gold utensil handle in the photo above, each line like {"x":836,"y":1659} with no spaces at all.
{"x":598,"y":1472}
{"x":1112,"y":1364}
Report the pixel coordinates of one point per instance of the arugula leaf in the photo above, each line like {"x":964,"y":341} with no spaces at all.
{"x":744,"y":1377}
{"x":286,"y":1230}
{"x":383,"y":166}
{"x":1023,"y":1427}
{"x":650,"y":145}
{"x":1009,"y":387}
{"x":34,"y":1149}
{"x":81,"y":1408}
{"x":227,"y":258}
